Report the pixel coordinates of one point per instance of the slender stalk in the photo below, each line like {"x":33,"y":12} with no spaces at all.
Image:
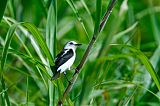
{"x":82,"y":62}
{"x":52,"y":40}
{"x":27,"y":95}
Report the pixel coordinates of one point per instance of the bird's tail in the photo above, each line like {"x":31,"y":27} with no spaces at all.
{"x":55,"y":73}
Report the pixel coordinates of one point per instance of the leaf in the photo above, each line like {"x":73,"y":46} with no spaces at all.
{"x":51,"y":32}
{"x":3,"y":4}
{"x":96,"y":93}
{"x":27,"y":92}
{"x":72,"y":5}
{"x":40,"y":40}
{"x":51,"y":28}
{"x":37,"y":36}
{"x":5,"y":93}
{"x":98,"y":16}
{"x":119,"y":84}
{"x":146,"y":63}
{"x":122,"y":33}
{"x":24,"y":56}
{"x":7,"y":44}
{"x":85,"y":6}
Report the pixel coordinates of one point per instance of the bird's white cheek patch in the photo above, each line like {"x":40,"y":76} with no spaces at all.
{"x":66,"y":65}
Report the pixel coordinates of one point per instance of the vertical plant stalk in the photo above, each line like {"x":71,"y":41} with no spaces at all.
{"x":77,"y":70}
{"x":6,"y":97}
{"x":52,"y":32}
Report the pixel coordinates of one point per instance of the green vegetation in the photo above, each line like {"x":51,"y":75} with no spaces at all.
{"x":122,"y":67}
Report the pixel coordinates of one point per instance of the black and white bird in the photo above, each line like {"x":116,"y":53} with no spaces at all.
{"x":64,"y":59}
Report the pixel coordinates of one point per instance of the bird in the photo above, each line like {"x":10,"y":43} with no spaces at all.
{"x":65,"y":59}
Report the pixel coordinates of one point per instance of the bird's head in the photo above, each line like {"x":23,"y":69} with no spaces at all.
{"x":71,"y":45}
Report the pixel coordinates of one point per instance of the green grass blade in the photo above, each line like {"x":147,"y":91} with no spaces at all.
{"x":51,"y":32}
{"x":146,"y":63}
{"x":98,"y":16}
{"x":51,"y":92}
{"x":155,"y":28}
{"x":26,"y":57}
{"x":2,"y":101}
{"x":122,"y":83}
{"x":122,"y":33}
{"x":5,"y":94}
{"x":50,"y":24}
{"x":27,"y":95}
{"x":40,"y":40}
{"x":148,"y":66}
{"x":3,"y":4}
{"x":33,"y":60}
{"x":2,"y":97}
{"x":7,"y":44}
{"x":63,"y":29}
{"x":85,"y":6}
{"x":72,"y":5}
{"x":54,"y":41}
{"x":30,"y":58}
{"x":38,"y":64}
{"x":129,"y":98}
{"x":147,"y":11}
{"x":51,"y":28}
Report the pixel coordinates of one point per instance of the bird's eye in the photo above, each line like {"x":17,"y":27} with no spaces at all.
{"x":71,"y":43}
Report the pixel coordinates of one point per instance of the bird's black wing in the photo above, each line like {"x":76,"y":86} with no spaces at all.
{"x":63,"y":56}
{"x":60,"y":59}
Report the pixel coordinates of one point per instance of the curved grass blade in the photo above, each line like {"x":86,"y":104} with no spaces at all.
{"x":27,"y":92}
{"x":27,"y":58}
{"x":146,"y":63}
{"x":5,"y":93}
{"x":85,"y":6}
{"x":122,"y":33}
{"x":40,"y":40}
{"x":122,"y":83}
{"x":131,"y":95}
{"x":98,"y":16}
{"x":145,"y":12}
{"x":7,"y":44}
{"x":31,"y":58}
{"x":51,"y":28}
{"x":71,"y":4}
{"x":43,"y":64}
{"x":51,"y":32}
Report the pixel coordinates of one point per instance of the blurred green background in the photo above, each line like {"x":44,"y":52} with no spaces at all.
{"x":122,"y":69}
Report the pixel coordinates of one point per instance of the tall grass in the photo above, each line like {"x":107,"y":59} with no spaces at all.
{"x":122,"y":67}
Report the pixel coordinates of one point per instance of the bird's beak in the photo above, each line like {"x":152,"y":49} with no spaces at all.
{"x":78,"y":44}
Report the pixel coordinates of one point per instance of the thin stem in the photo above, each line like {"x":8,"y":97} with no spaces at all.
{"x":90,"y":45}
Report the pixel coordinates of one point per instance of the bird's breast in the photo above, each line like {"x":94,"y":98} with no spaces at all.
{"x":67,"y":64}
